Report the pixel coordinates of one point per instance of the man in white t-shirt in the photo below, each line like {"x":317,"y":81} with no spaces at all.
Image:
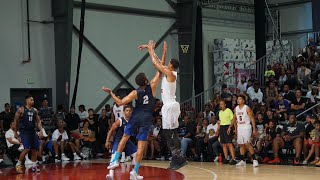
{"x":242,"y":85}
{"x":207,"y":113}
{"x":211,"y":136}
{"x":13,"y":139}
{"x":59,"y":138}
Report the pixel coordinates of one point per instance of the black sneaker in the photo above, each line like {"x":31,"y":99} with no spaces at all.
{"x":233,"y":162}
{"x":225,"y":161}
{"x":179,"y":164}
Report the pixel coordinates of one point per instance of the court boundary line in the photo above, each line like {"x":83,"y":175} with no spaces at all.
{"x":215,"y":176}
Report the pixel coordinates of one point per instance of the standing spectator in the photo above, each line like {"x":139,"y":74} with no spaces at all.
{"x":93,"y":121}
{"x":225,"y":130}
{"x":298,"y":104}
{"x":292,"y":135}
{"x":83,"y":114}
{"x":272,"y":94}
{"x":6,"y":117}
{"x":242,"y":85}
{"x":292,"y":82}
{"x":46,"y":115}
{"x":234,"y":101}
{"x":103,"y":127}
{"x":59,"y":114}
{"x":211,"y":137}
{"x":72,"y":120}
{"x":207,"y":112}
{"x":270,"y":117}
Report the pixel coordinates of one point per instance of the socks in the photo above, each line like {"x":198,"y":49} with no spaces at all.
{"x":136,"y":167}
{"x":18,"y":163}
{"x":134,"y":155}
{"x":116,"y":157}
{"x":123,"y":155}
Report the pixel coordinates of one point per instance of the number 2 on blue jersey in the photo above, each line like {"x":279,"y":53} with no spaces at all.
{"x":145,"y":99}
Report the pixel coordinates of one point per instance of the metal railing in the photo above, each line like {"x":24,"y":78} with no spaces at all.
{"x":196,"y":103}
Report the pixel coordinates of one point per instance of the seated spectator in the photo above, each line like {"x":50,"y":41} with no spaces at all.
{"x":242,"y":85}
{"x":207,"y":112}
{"x":261,"y":124}
{"x":304,"y":75}
{"x":309,"y":140}
{"x":271,"y":94}
{"x":234,"y":102}
{"x":93,"y":120}
{"x":292,"y":136}
{"x":255,"y":106}
{"x":282,"y":78}
{"x":186,"y":133}
{"x":287,"y":93}
{"x":270,"y":117}
{"x":298,"y":104}
{"x":226,"y":96}
{"x":292,"y":82}
{"x":87,"y":137}
{"x":13,"y":141}
{"x":255,"y":92}
{"x":211,"y":137}
{"x":313,"y":95}
{"x":269,"y":72}
{"x":200,"y":136}
{"x":199,"y":119}
{"x":272,"y":131}
{"x":83,"y":114}
{"x":59,"y":140}
{"x":282,"y":107}
{"x":157,"y":109}
{"x":154,"y":139}
{"x":270,"y":80}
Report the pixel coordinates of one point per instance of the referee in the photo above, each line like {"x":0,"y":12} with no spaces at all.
{"x":225,"y":130}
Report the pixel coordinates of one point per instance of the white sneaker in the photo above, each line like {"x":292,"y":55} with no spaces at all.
{"x":113,"y":165}
{"x":135,"y":176}
{"x":305,"y":162}
{"x":28,"y":162}
{"x":128,"y":158}
{"x":216,"y":159}
{"x":255,"y":163}
{"x":83,"y":156}
{"x":64,"y":158}
{"x":76,"y":157}
{"x":44,"y":158}
{"x":110,"y":176}
{"x":241,"y":163}
{"x":57,"y":160}
{"x":122,"y":160}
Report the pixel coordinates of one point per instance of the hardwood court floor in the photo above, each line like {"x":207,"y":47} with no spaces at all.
{"x":96,"y":169}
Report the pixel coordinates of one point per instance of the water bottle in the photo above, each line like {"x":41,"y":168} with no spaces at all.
{"x":220,"y":158}
{"x":201,"y":157}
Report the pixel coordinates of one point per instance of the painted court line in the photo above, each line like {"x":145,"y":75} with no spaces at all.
{"x":214,"y":174}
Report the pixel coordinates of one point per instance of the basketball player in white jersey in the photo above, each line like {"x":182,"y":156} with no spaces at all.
{"x":171,"y":108}
{"x":117,"y":111}
{"x":242,"y":118}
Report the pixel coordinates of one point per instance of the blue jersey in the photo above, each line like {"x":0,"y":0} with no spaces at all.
{"x":145,"y":100}
{"x":28,"y":120}
{"x":120,"y":130}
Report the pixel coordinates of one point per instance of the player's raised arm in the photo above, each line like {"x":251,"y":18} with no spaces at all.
{"x":130,"y":97}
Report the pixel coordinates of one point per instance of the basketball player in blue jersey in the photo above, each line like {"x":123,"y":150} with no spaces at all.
{"x":27,"y":118}
{"x":140,"y":119}
{"x":118,"y":128}
{"x":171,"y":108}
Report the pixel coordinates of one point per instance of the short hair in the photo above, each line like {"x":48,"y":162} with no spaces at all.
{"x":6,"y":104}
{"x":127,"y":107}
{"x":28,"y":96}
{"x":242,"y":96}
{"x":141,"y":79}
{"x":82,"y":106}
{"x":90,"y":109}
{"x":45,"y":99}
{"x":60,"y":107}
{"x":175,"y":63}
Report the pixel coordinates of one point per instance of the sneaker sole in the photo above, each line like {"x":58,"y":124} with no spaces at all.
{"x":113,"y":167}
{"x":178,"y":167}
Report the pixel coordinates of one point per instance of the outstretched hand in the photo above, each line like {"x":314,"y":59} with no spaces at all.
{"x":107,"y":90}
{"x":151,"y":44}
{"x":142,"y":47}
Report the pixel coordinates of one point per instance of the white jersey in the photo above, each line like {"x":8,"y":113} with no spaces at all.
{"x":168,"y":89}
{"x":242,"y":116}
{"x":118,"y":111}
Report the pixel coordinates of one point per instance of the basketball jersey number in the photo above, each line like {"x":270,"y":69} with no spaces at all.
{"x":145,"y":99}
{"x":240,"y":118}
{"x":30,"y":118}
{"x":118,"y":115}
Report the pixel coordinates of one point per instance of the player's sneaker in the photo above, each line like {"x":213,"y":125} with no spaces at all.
{"x":64,"y":158}
{"x":113,"y":165}
{"x":57,"y":160}
{"x":178,"y":163}
{"x":135,"y":176}
{"x":28,"y":162}
{"x":110,"y":176}
{"x":122,"y":160}
{"x":128,"y":158}
{"x":296,"y":161}
{"x":241,"y":163}
{"x":19,"y":169}
{"x":255,"y":163}
{"x":315,"y":161}
{"x":233,"y":162}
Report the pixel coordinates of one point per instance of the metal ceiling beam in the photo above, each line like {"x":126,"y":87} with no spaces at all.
{"x":172,"y":4}
{"x":126,"y":10}
{"x":133,"y":70}
{"x":105,"y":60}
{"x":290,"y":3}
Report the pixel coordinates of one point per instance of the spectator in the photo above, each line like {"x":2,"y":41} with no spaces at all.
{"x":59,"y":114}
{"x":207,"y":113}
{"x":154,"y":140}
{"x":46,"y":115}
{"x":187,"y":132}
{"x":298,"y":104}
{"x":6,"y":117}
{"x":225,"y":130}
{"x":226,"y":95}
{"x":255,"y":93}
{"x":157,"y":108}
{"x":291,"y":136}
{"x":287,"y":93}
{"x":269,"y":72}
{"x":313,"y":95}
{"x":282,"y":107}
{"x":88,"y":137}
{"x":59,"y":139}
{"x":304,"y":75}
{"x":282,"y":78}
{"x":255,"y":106}
{"x":270,"y":117}
{"x":234,"y":102}
{"x":72,"y":120}
{"x":272,"y":94}
{"x":271,"y":79}
{"x":13,"y":141}
{"x":103,"y":126}
{"x":242,"y":85}
{"x":83,"y":114}
{"x":93,"y":121}
{"x":200,"y":137}
{"x":211,"y":137}
{"x":272,"y":131}
{"x":292,"y":82}
{"x":309,"y":139}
